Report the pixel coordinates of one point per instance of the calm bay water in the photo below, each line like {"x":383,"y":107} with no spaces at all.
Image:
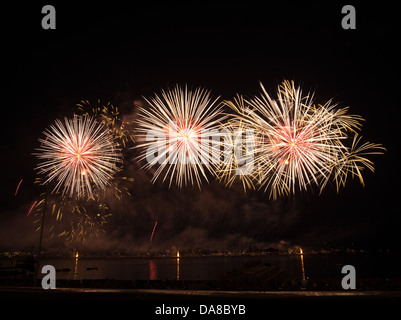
{"x":295,"y":267}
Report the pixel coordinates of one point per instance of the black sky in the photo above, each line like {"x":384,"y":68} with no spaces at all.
{"x":118,"y":52}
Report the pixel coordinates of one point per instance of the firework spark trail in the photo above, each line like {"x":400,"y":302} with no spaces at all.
{"x":353,"y":161}
{"x":240,"y":163}
{"x":186,"y":120}
{"x":70,"y":218}
{"x":44,"y":141}
{"x":76,"y":155}
{"x":110,"y":117}
{"x":153,"y":232}
{"x":32,"y":206}
{"x":85,"y":225}
{"x":298,"y":143}
{"x":16,"y":190}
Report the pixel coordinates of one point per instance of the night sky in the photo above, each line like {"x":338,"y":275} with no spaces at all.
{"x":118,"y":53}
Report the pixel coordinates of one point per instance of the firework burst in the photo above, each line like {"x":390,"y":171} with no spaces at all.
{"x":297,"y":143}
{"x":85,"y":219}
{"x":175,"y":134}
{"x":110,"y":116}
{"x":78,"y":155}
{"x":86,"y":224}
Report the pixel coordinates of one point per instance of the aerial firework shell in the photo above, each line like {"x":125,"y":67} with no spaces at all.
{"x":183,"y":123}
{"x":297,"y":143}
{"x":78,"y":155}
{"x":85,"y":210}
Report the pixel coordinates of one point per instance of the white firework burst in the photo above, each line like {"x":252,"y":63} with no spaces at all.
{"x":178,"y":135}
{"x":78,"y":155}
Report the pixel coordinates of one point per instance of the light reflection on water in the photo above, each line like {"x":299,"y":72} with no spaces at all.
{"x":296,"y":267}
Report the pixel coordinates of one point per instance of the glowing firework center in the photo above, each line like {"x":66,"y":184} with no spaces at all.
{"x":183,"y":142}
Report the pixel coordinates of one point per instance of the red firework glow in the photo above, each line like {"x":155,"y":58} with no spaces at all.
{"x":16,"y":190}
{"x":153,"y":232}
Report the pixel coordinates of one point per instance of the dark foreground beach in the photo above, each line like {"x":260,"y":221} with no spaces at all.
{"x":176,"y":299}
{"x":197,"y":304}
{"x":223,"y":287}
{"x":33,"y":293}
